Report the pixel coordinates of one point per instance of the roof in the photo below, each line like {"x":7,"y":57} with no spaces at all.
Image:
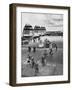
{"x":39,"y":28}
{"x":28,"y":27}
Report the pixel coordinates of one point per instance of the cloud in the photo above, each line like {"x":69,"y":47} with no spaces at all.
{"x":50,"y":21}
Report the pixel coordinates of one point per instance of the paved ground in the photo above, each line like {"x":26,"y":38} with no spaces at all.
{"x":54,"y":64}
{"x":48,"y":70}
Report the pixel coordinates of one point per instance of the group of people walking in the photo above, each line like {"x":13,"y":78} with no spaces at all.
{"x":33,"y":63}
{"x":31,"y":60}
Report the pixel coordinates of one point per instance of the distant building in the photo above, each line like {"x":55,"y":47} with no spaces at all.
{"x":54,"y":33}
{"x":39,"y":30}
{"x":28,"y":30}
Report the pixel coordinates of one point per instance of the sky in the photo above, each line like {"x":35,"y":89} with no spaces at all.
{"x":52,"y":22}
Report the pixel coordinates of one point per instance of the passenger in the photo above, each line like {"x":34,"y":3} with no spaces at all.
{"x":43,"y":61}
{"x":56,"y":47}
{"x":29,"y":57}
{"x":34,"y":49}
{"x":32,"y":62}
{"x":51,"y":51}
{"x":36,"y":69}
{"x":29,"y":49}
